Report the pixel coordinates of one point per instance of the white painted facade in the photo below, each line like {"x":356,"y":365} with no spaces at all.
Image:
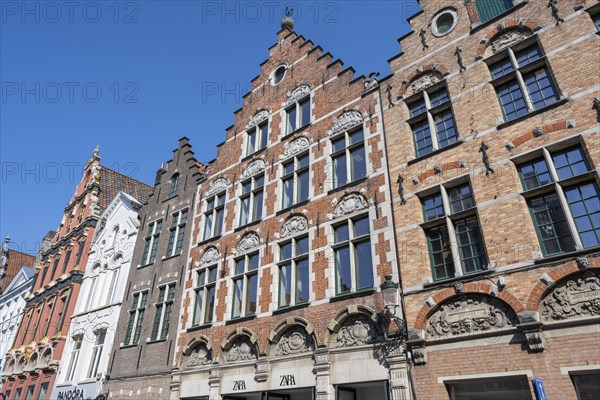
{"x":91,"y":334}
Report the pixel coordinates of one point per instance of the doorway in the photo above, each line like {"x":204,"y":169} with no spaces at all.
{"x":362,"y":391}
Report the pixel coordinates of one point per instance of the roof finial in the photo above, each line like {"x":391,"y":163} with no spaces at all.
{"x":288,"y":21}
{"x":96,"y":151}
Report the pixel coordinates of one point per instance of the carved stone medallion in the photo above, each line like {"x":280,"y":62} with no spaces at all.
{"x":248,"y":242}
{"x":254,"y":168}
{"x":200,"y":356}
{"x":297,"y":94}
{"x":346,"y":120}
{"x":295,"y":224}
{"x":349,"y":204}
{"x":576,"y":297}
{"x":358,"y":330}
{"x":293,"y":341}
{"x":241,"y":350}
{"x":470,"y":314}
{"x":507,"y":39}
{"x":295,"y":147}
{"x":257,"y":119}
{"x":216,"y":186}
{"x":424,"y":81}
{"x":210,"y":256}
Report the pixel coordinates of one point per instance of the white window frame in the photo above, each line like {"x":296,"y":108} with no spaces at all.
{"x":347,"y":150}
{"x":97,"y":350}
{"x":135,"y":311}
{"x":296,"y":183}
{"x":204,"y":287}
{"x":218,"y":206}
{"x":177,"y":228}
{"x":161,"y":315}
{"x":74,"y":357}
{"x":298,"y":120}
{"x":293,"y":262}
{"x":251,"y":195}
{"x":244,"y":277}
{"x":152,"y":238}
{"x":258,"y":137}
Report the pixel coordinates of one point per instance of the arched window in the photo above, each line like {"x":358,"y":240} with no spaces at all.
{"x":174,"y":185}
{"x":115,"y":235}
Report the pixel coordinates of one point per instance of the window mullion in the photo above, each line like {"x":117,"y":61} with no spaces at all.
{"x":451,"y":233}
{"x":550,"y":163}
{"x":526,"y":95}
{"x":569,"y":217}
{"x":293,"y":282}
{"x":432,"y":131}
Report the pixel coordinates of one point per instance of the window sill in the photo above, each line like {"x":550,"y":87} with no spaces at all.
{"x":283,"y":310}
{"x":248,"y":225}
{"x":240,"y":319}
{"x":157,"y":341}
{"x":199,"y":327}
{"x":352,"y":295}
{"x":250,"y":156}
{"x":347,"y":185}
{"x":128,"y":346}
{"x":289,"y":135}
{"x":470,"y":276}
{"x":480,"y":25}
{"x":206,"y":241}
{"x":146,"y":265}
{"x":290,"y":208}
{"x":458,"y":142}
{"x":531,"y":114}
{"x":571,"y":254}
{"x":169,"y":257}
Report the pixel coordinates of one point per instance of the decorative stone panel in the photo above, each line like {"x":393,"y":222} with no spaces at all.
{"x":295,"y":224}
{"x":297,"y":94}
{"x":358,"y":330}
{"x":347,"y":120}
{"x":349,"y":204}
{"x":295,"y":146}
{"x":199,"y":357}
{"x":216,"y":186}
{"x":507,"y":39}
{"x":294,"y":341}
{"x":574,"y":297}
{"x":247,"y":242}
{"x":241,"y":350}
{"x":254,"y":168}
{"x":210,"y":256}
{"x":257,"y":119}
{"x":424,"y":81}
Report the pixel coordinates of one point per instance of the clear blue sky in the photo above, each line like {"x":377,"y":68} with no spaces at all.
{"x":134,"y":76}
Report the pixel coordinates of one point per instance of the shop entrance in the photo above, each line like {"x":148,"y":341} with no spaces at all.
{"x":362,"y":391}
{"x":293,"y":394}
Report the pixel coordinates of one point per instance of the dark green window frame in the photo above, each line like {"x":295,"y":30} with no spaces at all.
{"x":294,"y":259}
{"x":205,"y":293}
{"x":164,"y":309}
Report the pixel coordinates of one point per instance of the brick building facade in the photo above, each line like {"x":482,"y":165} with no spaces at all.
{"x":490,"y":117}
{"x":32,"y":363}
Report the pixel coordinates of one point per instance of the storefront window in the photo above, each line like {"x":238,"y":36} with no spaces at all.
{"x":515,"y":388}
{"x":587,"y":385}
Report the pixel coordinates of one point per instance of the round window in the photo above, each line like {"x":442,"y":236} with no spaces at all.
{"x":278,"y":75}
{"x":444,"y":22}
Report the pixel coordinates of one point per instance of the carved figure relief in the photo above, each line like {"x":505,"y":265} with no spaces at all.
{"x":210,"y":256}
{"x":349,"y":204}
{"x":297,"y":94}
{"x":507,"y":39}
{"x":346,"y":120}
{"x":216,"y":186}
{"x":295,"y":224}
{"x":469,"y":314}
{"x":575,"y":297}
{"x":358,"y":330}
{"x":241,"y":350}
{"x":254,"y":168}
{"x":295,"y":147}
{"x":248,"y":242}
{"x":294,"y":341}
{"x":200,"y":356}
{"x":424,"y":81}
{"x":257,"y":119}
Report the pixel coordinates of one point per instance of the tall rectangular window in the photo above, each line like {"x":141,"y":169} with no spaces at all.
{"x":73,"y":358}
{"x":54,"y":268}
{"x":136,"y":318}
{"x":245,"y":285}
{"x":295,"y":180}
{"x":151,"y":242}
{"x":29,"y":393}
{"x":51,"y":305}
{"x":205,"y":295}
{"x":348,"y":157}
{"x":453,"y":232}
{"x":587,"y":384}
{"x":563,"y":199}
{"x":352,"y":252}
{"x":522,"y":79}
{"x":164,"y":308}
{"x":43,"y":391}
{"x":257,"y":138}
{"x":431,"y":119}
{"x":38,"y":318}
{"x":96,"y":354}
{"x":293,"y":271}
{"x":80,"y":247}
{"x":213,"y":216}
{"x":177,"y":233}
{"x":62,"y":315}
{"x":297,"y":115}
{"x":251,"y":199}
{"x":17,"y":394}
{"x":66,"y":262}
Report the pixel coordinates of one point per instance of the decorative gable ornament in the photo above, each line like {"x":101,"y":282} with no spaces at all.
{"x":200,"y":356}
{"x":295,"y":147}
{"x":254,"y":168}
{"x":297,"y":94}
{"x":347,"y":120}
{"x":424,"y":81}
{"x":575,"y":297}
{"x":257,"y":119}
{"x":507,"y":39}
{"x":297,"y":223}
{"x":210,"y":256}
{"x":247,"y":243}
{"x":216,"y":186}
{"x":349,"y":204}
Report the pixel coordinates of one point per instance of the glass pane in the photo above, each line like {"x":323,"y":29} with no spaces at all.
{"x":251,"y":294}
{"x":259,"y":181}
{"x":460,"y":198}
{"x":285,"y":251}
{"x":302,"y":245}
{"x":341,"y":233}
{"x":470,"y":245}
{"x":514,"y":388}
{"x":342,"y":264}
{"x":361,"y":227}
{"x":501,"y":68}
{"x":356,"y":136}
{"x":219,"y":222}
{"x":245,"y":211}
{"x":303,"y":161}
{"x":440,"y":254}
{"x":257,"y":207}
{"x":339,"y":171}
{"x":511,"y":100}
{"x":417,"y":108}
{"x":339,"y":144}
{"x":422,"y":137}
{"x":288,"y":192}
{"x":240,"y":266}
{"x":207,"y":227}
{"x":238,"y":285}
{"x":201,"y":277}
{"x":570,"y":162}
{"x":210,"y":305}
{"x":433,"y":207}
{"x":251,"y":147}
{"x":587,"y":386}
{"x":535,"y":174}
{"x":489,"y":9}
{"x":359,"y":164}
{"x":303,"y":183}
{"x":540,"y":88}
{"x":528,"y":55}
{"x":440,"y":96}
{"x":212,"y":274}
{"x":246,"y":186}
{"x":291,"y":119}
{"x":550,"y":221}
{"x":445,"y":128}
{"x":288,"y":168}
{"x":584,"y":202}
{"x":302,"y":272}
{"x":285,"y":285}
{"x":264,"y":134}
{"x":198,"y":306}
{"x":305,"y":112}
{"x":364,"y":265}
{"x":253,"y":262}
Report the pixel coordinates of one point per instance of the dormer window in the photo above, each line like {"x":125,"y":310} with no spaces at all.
{"x":174,"y":185}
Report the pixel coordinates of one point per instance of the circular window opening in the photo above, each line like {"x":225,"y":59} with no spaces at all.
{"x":444,"y":22}
{"x":279,"y":74}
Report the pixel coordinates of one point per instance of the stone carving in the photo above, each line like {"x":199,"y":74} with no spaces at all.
{"x":507,"y":39}
{"x":483,"y":148}
{"x":554,"y":10}
{"x":400,"y":182}
{"x":200,"y":356}
{"x":248,"y":242}
{"x":583,"y":263}
{"x":576,"y":297}
{"x":372,"y":81}
{"x":297,"y":94}
{"x":470,"y":314}
{"x":596,"y":106}
{"x":218,"y":185}
{"x":294,"y":341}
{"x":419,"y":355}
{"x":424,"y":81}
{"x":295,"y":147}
{"x":537,"y":131}
{"x":254,"y":168}
{"x":241,"y":350}
{"x":535,"y":340}
{"x":459,"y":59}
{"x":346,"y":120}
{"x":349,"y":204}
{"x":295,"y":224}
{"x":358,"y":330}
{"x":388,"y":90}
{"x":423,"y":39}
{"x":210,"y":256}
{"x":257,"y":119}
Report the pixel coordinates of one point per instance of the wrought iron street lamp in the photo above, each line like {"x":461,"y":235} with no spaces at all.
{"x":391,"y":300}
